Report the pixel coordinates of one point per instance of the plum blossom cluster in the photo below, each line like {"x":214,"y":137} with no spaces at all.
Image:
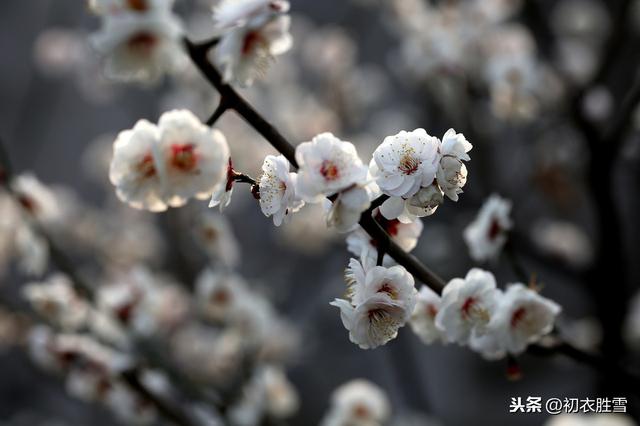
{"x":157,"y":166}
{"x":92,"y":372}
{"x":416,"y":170}
{"x":141,"y":40}
{"x":253,"y":32}
{"x":474,"y":312}
{"x":27,"y":203}
{"x":475,"y":43}
{"x":381,"y":301}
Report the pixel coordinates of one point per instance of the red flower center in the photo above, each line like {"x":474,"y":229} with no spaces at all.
{"x":494,"y":230}
{"x":252,"y":39}
{"x":138,"y":5}
{"x":329,"y":170}
{"x":143,"y":43}
{"x":184,"y":157}
{"x":145,"y":167}
{"x":518,"y":316}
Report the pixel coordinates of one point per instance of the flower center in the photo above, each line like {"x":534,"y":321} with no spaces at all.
{"x":143,"y":43}
{"x":518,"y":316}
{"x":145,"y":167}
{"x":390,"y":290}
{"x":251,"y":40}
{"x":432,"y":311}
{"x":138,"y":5}
{"x":220,"y":297}
{"x":409,"y":164}
{"x":360,"y":411}
{"x":183,"y":157}
{"x":494,"y":229}
{"x":329,"y":170}
{"x":28,"y":203}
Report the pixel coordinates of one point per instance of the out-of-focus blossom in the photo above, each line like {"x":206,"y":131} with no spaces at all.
{"x":487,"y":234}
{"x":214,"y":234}
{"x":598,"y":104}
{"x":563,"y":240}
{"x":57,"y":301}
{"x":159,"y":166}
{"x":327,"y":166}
{"x":220,"y":295}
{"x":208,"y":355}
{"x":278,"y":197}
{"x":144,"y":303}
{"x":608,"y":419}
{"x":140,"y":46}
{"x":358,"y":402}
{"x":37,"y":199}
{"x":423,"y":318}
{"x":254,"y":32}
{"x":467,"y":306}
{"x":382,"y":300}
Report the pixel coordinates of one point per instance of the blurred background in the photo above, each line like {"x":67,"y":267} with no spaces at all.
{"x":540,"y":88}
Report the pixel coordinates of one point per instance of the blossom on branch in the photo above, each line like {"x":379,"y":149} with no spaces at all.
{"x":278,"y":197}
{"x":416,"y":170}
{"x":155,"y":167}
{"x":522,"y":317}
{"x":467,"y":306}
{"x":381,"y":301}
{"x":140,"y":46}
{"x":327,"y":166}
{"x":254,"y":32}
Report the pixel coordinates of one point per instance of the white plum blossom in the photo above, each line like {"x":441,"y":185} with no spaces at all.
{"x":467,"y":306}
{"x":359,"y":403}
{"x":423,"y":318}
{"x":140,"y":47}
{"x":488,"y":233}
{"x":37,"y":199}
{"x":220,"y":295}
{"x":416,"y":170}
{"x":155,"y":167}
{"x":382,"y":300}
{"x":254,"y":32}
{"x":405,"y":162}
{"x":452,"y":173}
{"x":278,"y":189}
{"x":214,"y":234}
{"x":344,"y":212}
{"x":327,"y":166}
{"x":57,"y":301}
{"x":522,"y":317}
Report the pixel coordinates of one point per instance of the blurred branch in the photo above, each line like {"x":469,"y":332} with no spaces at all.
{"x":59,"y":257}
